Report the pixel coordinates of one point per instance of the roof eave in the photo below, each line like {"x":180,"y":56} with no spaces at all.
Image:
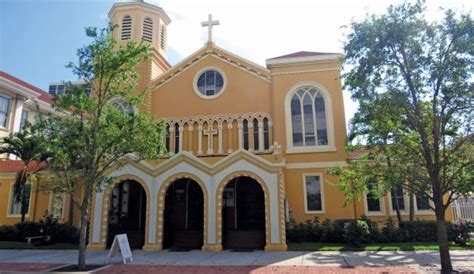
{"x":303,"y":60}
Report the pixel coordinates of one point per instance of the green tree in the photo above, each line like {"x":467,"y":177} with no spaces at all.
{"x":413,"y":82}
{"x":30,"y":150}
{"x":91,"y":136}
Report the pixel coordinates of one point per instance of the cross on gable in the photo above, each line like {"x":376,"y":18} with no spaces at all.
{"x":209,"y":23}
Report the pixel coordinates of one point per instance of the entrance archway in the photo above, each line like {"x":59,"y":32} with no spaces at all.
{"x":243,"y":215}
{"x":127,"y":213}
{"x":183,"y":216}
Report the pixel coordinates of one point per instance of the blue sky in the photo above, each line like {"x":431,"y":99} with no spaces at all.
{"x":39,"y":37}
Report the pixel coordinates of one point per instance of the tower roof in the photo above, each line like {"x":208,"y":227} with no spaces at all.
{"x":143,"y":4}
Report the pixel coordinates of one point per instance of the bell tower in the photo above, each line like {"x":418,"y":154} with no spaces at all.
{"x":140,"y":21}
{"x":137,"y":20}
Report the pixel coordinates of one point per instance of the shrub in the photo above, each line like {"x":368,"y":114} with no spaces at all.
{"x":374,"y":232}
{"x":390,"y":232}
{"x":461,"y":232}
{"x":309,"y":231}
{"x":356,"y":232}
{"x":28,"y":229}
{"x":9,"y":233}
{"x":418,"y":231}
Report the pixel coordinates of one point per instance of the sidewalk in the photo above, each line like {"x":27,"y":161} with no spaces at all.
{"x":417,"y":260}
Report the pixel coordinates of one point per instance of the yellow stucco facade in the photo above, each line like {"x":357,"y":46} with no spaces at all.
{"x":230,"y":118}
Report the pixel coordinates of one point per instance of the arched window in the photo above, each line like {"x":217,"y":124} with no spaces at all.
{"x":266,"y":140}
{"x":147,"y":34}
{"x":255,"y":135}
{"x":176,"y":138}
{"x":246,"y":134}
{"x":125,"y":107}
{"x":308,"y":117}
{"x":126,"y":27}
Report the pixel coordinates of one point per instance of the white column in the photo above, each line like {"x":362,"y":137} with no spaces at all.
{"x":229,"y":138}
{"x":18,"y":111}
{"x":219,"y":149}
{"x":190,"y":138}
{"x":260,"y":137}
{"x":180,"y":129}
{"x":199,"y":151}
{"x":241,"y":135}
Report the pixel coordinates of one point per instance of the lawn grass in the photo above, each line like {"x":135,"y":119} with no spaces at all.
{"x":25,"y":245}
{"x":308,"y":246}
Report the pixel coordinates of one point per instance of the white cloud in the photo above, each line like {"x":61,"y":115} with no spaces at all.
{"x":262,"y":29}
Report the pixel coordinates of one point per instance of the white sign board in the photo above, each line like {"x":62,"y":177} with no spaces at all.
{"x":121,"y":244}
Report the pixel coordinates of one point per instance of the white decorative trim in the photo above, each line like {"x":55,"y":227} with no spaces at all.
{"x":316,"y":165}
{"x":424,"y":212}
{"x":10,"y":197}
{"x":300,"y":60}
{"x":321,"y":183}
{"x":310,"y":149}
{"x":329,"y":120}
{"x":305,"y":71}
{"x":199,"y":56}
{"x":198,"y":74}
{"x":375,"y":213}
{"x":405,"y":201}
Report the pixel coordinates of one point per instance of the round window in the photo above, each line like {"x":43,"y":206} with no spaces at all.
{"x":210,"y":83}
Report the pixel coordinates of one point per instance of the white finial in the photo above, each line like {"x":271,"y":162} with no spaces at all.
{"x":209,"y":23}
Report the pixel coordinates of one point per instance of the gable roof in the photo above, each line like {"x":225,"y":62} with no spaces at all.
{"x":43,"y":95}
{"x":210,"y":49}
{"x":302,"y":54}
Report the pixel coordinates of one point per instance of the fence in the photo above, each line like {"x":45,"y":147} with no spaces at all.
{"x":463,"y":209}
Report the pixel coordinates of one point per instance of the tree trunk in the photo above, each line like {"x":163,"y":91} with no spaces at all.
{"x":81,"y":263}
{"x":397,"y":207}
{"x":23,"y":206}
{"x":412,"y":206}
{"x":442,"y":237}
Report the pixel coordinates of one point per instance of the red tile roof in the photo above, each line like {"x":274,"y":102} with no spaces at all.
{"x":15,"y":166}
{"x":301,"y":54}
{"x":45,"y":97}
{"x":356,"y":154}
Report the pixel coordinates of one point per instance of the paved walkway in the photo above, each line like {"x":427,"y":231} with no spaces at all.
{"x":419,"y":260}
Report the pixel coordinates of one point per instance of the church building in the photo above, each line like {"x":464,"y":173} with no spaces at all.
{"x":249,"y":147}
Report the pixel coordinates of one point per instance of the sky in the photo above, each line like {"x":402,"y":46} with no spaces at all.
{"x":39,"y":37}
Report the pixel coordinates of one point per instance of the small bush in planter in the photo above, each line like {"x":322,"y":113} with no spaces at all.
{"x":461,"y":231}
{"x":356,"y":232}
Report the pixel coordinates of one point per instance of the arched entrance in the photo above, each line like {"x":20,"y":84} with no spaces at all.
{"x":243,"y":215}
{"x":127,"y":213}
{"x":183,"y":216}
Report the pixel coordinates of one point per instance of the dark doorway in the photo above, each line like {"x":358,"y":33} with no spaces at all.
{"x":127,"y":213}
{"x":243,"y":215}
{"x":184,"y":216}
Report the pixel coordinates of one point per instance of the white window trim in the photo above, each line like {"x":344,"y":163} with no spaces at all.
{"x":330,"y":147}
{"x":9,"y":111}
{"x":405,"y":200}
{"x":50,"y":206}
{"x":375,"y":213}
{"x":196,"y":77}
{"x":424,"y":212}
{"x":321,"y":181}
{"x":10,"y":197}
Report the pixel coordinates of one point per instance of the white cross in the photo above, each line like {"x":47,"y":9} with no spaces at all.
{"x":209,"y":23}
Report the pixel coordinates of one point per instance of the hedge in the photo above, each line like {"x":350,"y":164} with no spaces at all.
{"x":334,"y":231}
{"x":63,"y":233}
